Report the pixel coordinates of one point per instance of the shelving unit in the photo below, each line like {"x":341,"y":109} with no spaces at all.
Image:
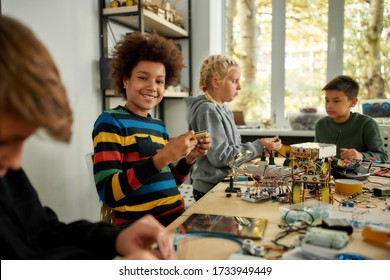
{"x":152,"y":21}
{"x":137,"y":18}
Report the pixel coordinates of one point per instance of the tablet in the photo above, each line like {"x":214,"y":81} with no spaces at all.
{"x":241,"y":227}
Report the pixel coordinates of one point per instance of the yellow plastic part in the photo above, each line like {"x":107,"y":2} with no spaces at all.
{"x":296,"y":194}
{"x":348,"y":186}
{"x":325,"y":195}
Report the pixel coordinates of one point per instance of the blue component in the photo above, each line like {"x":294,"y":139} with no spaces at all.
{"x":347,"y":204}
{"x":366,"y":107}
{"x":207,"y":234}
{"x":242,"y":179}
{"x":349,"y":257}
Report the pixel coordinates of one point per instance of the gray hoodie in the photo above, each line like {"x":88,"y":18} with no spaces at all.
{"x":226,"y":143}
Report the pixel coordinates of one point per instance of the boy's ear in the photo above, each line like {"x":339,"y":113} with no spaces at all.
{"x":125,"y":83}
{"x":354,"y":101}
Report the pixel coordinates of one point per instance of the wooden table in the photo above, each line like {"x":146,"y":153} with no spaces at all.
{"x":216,"y":202}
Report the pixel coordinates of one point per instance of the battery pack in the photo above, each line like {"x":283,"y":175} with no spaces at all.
{"x":381,"y":191}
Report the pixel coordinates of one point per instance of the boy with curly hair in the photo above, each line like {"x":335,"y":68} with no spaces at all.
{"x":133,"y":155}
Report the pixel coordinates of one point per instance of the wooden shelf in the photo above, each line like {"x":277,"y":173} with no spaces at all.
{"x":128,"y":16}
{"x":110,"y":93}
{"x":178,"y":94}
{"x":132,"y":18}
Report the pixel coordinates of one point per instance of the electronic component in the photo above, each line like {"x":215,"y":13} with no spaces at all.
{"x":351,"y":257}
{"x":337,"y":224}
{"x":200,"y":134}
{"x":248,"y":247}
{"x":231,"y":188}
{"x":327,"y":238}
{"x":355,"y":170}
{"x":256,"y":194}
{"x":311,"y":162}
{"x":255,"y":197}
{"x":347,"y":204}
{"x":313,"y":150}
{"x":381,"y":191}
{"x":324,"y":243}
{"x":376,"y":108}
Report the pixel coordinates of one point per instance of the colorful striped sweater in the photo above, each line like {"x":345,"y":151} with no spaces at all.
{"x":125,"y":176}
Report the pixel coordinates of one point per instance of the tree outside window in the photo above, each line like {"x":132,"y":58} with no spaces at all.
{"x":366,"y":51}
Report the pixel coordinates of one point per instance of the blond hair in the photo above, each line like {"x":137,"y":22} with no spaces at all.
{"x":216,"y":66}
{"x":30,"y":84}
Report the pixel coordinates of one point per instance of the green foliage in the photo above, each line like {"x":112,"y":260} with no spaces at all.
{"x":355,"y":44}
{"x":306,"y":54}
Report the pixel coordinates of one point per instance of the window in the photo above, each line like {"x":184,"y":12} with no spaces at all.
{"x":296,"y":49}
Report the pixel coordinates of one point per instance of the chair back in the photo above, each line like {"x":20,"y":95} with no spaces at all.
{"x":106,"y":213}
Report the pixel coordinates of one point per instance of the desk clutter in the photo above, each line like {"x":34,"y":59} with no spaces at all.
{"x":320,"y":217}
{"x":308,"y":230}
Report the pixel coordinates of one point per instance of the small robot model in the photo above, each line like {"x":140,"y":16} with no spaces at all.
{"x":311,"y":171}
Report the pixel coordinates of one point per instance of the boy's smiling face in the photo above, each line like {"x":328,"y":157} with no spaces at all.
{"x":337,"y":105}
{"x":145,"y":87}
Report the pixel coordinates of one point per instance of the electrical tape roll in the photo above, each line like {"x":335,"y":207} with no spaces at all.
{"x":348,"y":186}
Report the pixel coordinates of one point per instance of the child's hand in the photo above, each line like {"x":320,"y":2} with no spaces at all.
{"x":200,"y":149}
{"x":176,"y":149}
{"x":271,"y":144}
{"x":350,"y":154}
{"x":135,"y":241}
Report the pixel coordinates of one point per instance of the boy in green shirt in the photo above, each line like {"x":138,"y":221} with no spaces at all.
{"x":357,"y":136}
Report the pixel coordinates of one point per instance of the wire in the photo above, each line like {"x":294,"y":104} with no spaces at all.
{"x":206,"y":234}
{"x":298,"y":210}
{"x":279,"y":153}
{"x":337,"y":138}
{"x":291,"y":227}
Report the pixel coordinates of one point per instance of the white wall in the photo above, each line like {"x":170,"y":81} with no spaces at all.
{"x":206,"y":40}
{"x":207,"y":34}
{"x":69,"y":29}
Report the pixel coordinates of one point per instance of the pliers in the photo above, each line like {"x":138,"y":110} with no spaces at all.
{"x":382,"y":172}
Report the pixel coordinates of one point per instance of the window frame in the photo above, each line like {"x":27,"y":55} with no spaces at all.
{"x":334,"y":52}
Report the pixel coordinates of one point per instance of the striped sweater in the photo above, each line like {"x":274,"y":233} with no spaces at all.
{"x":125,"y":176}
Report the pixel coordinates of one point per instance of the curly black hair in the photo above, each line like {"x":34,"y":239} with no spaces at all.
{"x":136,"y":47}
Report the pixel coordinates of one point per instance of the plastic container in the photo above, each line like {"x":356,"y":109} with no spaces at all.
{"x":304,"y":121}
{"x":376,"y":234}
{"x":311,"y":212}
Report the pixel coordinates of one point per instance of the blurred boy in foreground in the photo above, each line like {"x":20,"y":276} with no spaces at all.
{"x":32,"y":96}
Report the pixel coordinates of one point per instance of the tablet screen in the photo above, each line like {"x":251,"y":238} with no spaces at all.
{"x":242,"y":227}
